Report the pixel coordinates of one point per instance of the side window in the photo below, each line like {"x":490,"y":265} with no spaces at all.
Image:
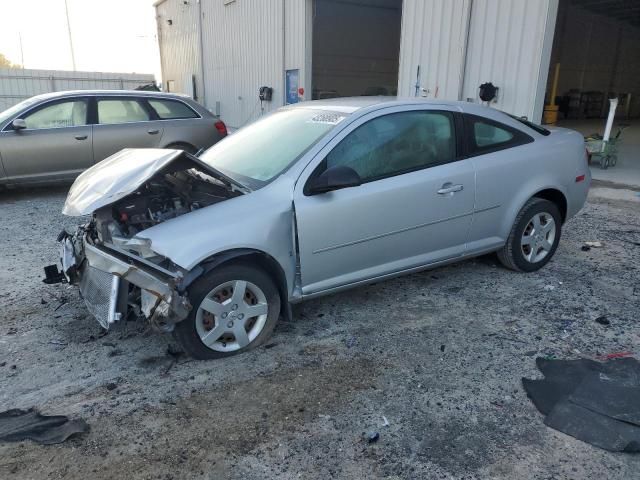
{"x":171,"y":109}
{"x":397,"y":143}
{"x":120,"y":110}
{"x":62,"y":114}
{"x":486,"y":135}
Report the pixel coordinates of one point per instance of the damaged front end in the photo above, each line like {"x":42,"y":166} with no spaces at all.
{"x":118,"y":274}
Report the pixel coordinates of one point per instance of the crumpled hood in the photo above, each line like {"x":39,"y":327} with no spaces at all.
{"x":115,"y":177}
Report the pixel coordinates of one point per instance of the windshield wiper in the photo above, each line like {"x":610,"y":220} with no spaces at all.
{"x":219,"y":175}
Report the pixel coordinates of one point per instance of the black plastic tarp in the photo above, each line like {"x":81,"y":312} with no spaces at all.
{"x":596,"y":402}
{"x":17,"y":425}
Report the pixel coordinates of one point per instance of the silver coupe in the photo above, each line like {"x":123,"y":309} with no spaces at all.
{"x":312,"y":199}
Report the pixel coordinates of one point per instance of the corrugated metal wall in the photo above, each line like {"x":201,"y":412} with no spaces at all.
{"x":460,"y":44}
{"x":433,"y":37}
{"x":243,"y":50}
{"x":17,"y":84}
{"x":298,"y":24}
{"x":178,"y":38}
{"x":506,"y":47}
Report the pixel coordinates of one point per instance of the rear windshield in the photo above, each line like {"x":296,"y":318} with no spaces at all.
{"x":533,"y":126}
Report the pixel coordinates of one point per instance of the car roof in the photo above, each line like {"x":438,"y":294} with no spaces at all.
{"x":353,"y":104}
{"x":365,"y":104}
{"x":72,"y":93}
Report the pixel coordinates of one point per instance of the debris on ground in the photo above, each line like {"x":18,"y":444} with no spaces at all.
{"x":603,"y":320}
{"x":17,"y":425}
{"x":593,"y":244}
{"x":174,"y":351}
{"x":611,"y":356}
{"x":372,"y":437}
{"x":385,"y":421}
{"x":596,"y":402}
{"x":352,"y":342}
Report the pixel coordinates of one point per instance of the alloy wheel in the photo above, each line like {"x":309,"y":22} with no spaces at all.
{"x":538,"y":237}
{"x":231,"y":315}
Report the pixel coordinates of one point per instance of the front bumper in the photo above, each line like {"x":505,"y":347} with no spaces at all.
{"x":104,"y":277}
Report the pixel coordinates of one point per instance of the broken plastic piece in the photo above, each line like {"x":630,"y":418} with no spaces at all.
{"x":53,"y":275}
{"x":373,"y":437}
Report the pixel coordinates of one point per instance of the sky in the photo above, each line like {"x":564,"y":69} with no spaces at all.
{"x":107,"y":35}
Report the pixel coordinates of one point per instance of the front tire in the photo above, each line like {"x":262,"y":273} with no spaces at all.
{"x":534,"y":237}
{"x":235,"y":308}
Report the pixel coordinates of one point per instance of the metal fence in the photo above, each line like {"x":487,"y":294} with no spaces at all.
{"x":17,"y":84}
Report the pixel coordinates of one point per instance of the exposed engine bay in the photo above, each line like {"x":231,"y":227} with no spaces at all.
{"x":165,"y":196}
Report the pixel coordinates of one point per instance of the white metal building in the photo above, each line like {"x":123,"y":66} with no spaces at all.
{"x":222,"y":51}
{"x":17,"y":84}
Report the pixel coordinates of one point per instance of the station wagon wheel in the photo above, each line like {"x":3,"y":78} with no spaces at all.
{"x":235,"y":308}
{"x":534,"y":236}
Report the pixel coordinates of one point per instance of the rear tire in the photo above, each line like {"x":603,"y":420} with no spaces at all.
{"x":534,"y":237}
{"x":226,"y":320}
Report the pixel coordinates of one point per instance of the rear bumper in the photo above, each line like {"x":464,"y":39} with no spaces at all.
{"x":104,"y":278}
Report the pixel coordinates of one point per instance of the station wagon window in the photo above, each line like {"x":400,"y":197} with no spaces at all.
{"x":59,"y":115}
{"x":171,"y":109}
{"x":485,"y":135}
{"x":397,"y":143}
{"x":120,"y":110}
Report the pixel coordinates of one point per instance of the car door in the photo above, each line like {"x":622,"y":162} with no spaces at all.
{"x":55,"y":145}
{"x":123,"y":122}
{"x":413,"y":208}
{"x":503,"y":165}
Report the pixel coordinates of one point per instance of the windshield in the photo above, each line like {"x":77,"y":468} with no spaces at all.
{"x":258,"y":153}
{"x":11,"y":111}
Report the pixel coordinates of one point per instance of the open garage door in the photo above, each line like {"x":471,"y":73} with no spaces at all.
{"x":596,"y":50}
{"x":596,"y":54}
{"x":356,"y":46}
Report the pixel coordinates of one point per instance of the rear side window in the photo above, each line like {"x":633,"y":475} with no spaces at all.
{"x":485,"y":135}
{"x":171,"y":109}
{"x":114,"y":111}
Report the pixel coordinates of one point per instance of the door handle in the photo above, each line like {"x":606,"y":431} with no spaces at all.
{"x":450,"y":188}
{"x":81,"y":137}
{"x":153,"y":131}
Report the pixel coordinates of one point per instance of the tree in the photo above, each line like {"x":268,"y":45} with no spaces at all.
{"x":6,"y":63}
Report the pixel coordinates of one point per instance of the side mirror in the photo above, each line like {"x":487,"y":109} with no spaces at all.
{"x":18,"y":124}
{"x":334,"y":178}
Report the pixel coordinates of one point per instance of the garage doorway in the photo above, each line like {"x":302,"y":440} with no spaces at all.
{"x":596,"y":50}
{"x":356,"y":47}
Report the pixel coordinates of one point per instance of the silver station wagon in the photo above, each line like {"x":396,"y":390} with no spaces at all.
{"x":53,"y":137}
{"x":312,"y":199}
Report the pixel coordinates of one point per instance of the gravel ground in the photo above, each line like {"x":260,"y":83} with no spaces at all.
{"x":439,"y":354}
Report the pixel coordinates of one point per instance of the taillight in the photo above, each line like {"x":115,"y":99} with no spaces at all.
{"x":221,"y":127}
